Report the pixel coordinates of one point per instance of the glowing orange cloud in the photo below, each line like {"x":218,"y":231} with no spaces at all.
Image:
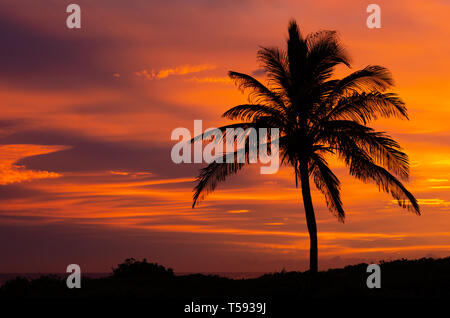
{"x":179,"y":70}
{"x":13,"y":173}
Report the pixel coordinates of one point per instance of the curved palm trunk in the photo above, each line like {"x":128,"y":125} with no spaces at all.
{"x":310,"y":219}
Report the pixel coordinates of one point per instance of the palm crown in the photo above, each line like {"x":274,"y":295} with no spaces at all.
{"x":317,"y":117}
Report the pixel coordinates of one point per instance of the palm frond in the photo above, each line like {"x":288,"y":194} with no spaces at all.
{"x":216,"y":172}
{"x":211,"y":175}
{"x":296,"y":51}
{"x":381,"y":147}
{"x":259,"y":93}
{"x":370,"y":78}
{"x":248,"y":112}
{"x":364,"y":107}
{"x":224,"y":128}
{"x":324,"y":53}
{"x":327,"y":183}
{"x":362,"y":167}
{"x":275,"y":63}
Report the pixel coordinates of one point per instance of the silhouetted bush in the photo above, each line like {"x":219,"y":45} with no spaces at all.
{"x":134,"y":269}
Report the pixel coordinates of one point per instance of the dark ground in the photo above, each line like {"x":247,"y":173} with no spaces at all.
{"x":403,"y":283}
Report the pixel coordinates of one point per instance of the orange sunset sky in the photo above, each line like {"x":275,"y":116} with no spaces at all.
{"x":86,"y":118}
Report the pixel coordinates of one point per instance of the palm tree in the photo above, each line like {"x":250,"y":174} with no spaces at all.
{"x":319,"y":117}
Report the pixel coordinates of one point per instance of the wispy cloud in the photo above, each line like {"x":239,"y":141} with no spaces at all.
{"x":238,"y":211}
{"x":10,"y":172}
{"x":444,"y":162}
{"x":223,"y":80}
{"x":127,"y":173}
{"x":434,"y":202}
{"x":437,"y":180}
{"x":179,"y":70}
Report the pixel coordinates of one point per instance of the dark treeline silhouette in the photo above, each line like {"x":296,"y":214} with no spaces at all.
{"x":424,"y":278}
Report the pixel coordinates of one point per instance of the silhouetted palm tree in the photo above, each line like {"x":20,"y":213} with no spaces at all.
{"x":319,"y":116}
